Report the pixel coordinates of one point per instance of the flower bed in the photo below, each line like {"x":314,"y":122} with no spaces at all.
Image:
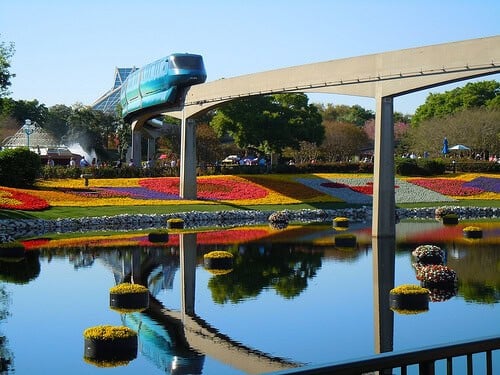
{"x":245,"y":190}
{"x":15,"y":199}
{"x":216,"y":188}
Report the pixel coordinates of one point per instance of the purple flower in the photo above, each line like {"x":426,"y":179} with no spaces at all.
{"x":141,"y":193}
{"x":485,"y":183}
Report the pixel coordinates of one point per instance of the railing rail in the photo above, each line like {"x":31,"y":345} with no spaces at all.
{"x":424,"y":358}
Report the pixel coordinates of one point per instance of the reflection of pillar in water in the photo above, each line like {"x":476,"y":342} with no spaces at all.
{"x":187,"y":243}
{"x":384,"y":252}
{"x":136,"y":266}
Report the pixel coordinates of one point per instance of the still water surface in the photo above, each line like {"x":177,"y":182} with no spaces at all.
{"x":292,"y":299}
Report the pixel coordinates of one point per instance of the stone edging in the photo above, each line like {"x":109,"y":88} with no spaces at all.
{"x":19,"y":228}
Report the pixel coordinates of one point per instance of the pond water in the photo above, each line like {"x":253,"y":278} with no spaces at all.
{"x":292,"y":298}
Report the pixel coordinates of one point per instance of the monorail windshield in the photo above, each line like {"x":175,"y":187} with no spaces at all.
{"x":186,"y":62}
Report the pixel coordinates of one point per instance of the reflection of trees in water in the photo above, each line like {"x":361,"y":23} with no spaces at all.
{"x":15,"y":271}
{"x":6,"y":357}
{"x":477,"y":270}
{"x":21,"y":271}
{"x":258,"y":266}
{"x":476,"y":266}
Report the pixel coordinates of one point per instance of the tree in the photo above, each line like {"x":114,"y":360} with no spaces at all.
{"x":208,"y":147}
{"x":342,"y":141}
{"x":348,"y":114}
{"x":482,"y":94}
{"x":400,"y":128}
{"x":477,"y":128}
{"x":269,"y":123}
{"x":6,"y":52}
{"x":91,"y":129}
{"x":57,"y":121}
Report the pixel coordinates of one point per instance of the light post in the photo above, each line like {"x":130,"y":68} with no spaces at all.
{"x":28,"y":130}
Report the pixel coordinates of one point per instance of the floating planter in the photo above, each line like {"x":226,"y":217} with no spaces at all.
{"x":440,"y":212}
{"x":218,"y":260}
{"x":278,"y":220}
{"x":11,"y":250}
{"x":278,"y":225}
{"x":450,"y":219}
{"x":437,"y":276}
{"x":345,"y":240}
{"x":158,"y":236}
{"x":473,"y":232}
{"x":106,"y":344}
{"x":127,"y":297}
{"x":175,"y":223}
{"x":106,"y":363}
{"x":219,"y":272}
{"x":341,"y":222}
{"x":440,"y":295}
{"x":428,"y":254}
{"x":409,"y":299}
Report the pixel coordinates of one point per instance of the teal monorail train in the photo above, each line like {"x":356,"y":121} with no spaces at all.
{"x":159,"y":82}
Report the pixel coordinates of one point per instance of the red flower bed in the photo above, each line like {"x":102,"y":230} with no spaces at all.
{"x":35,"y":243}
{"x":447,"y":186}
{"x":222,"y":237}
{"x":12,"y":199}
{"x":212,"y":188}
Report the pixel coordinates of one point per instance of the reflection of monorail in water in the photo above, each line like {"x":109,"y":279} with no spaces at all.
{"x":156,"y":344}
{"x":159,"y":82}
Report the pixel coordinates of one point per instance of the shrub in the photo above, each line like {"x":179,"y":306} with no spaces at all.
{"x":19,"y":167}
{"x":407,"y":167}
{"x":432,"y":166}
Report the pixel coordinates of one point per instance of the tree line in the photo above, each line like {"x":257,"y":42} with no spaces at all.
{"x":281,"y":124}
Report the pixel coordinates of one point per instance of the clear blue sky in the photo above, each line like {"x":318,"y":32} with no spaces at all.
{"x":67,"y":51}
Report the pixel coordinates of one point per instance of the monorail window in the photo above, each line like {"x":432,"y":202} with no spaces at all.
{"x":186,"y":62}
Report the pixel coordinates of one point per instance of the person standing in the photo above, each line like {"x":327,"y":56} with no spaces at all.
{"x":83,"y":162}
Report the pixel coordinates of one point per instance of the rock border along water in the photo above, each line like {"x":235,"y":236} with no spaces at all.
{"x":18,"y":228}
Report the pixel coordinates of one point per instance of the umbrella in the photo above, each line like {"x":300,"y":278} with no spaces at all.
{"x":459,"y":148}
{"x":445,"y":146}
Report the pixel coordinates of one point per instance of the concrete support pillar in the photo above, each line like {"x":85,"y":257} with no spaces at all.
{"x":136,"y":143}
{"x":187,"y":186}
{"x":187,"y":244}
{"x":151,"y":148}
{"x":384,"y":202}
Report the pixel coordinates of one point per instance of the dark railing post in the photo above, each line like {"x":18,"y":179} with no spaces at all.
{"x":426,"y":368}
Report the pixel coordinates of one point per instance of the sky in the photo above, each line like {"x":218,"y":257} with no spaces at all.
{"x":66,"y":52}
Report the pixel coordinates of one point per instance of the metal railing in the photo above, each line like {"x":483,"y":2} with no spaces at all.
{"x":423,"y":359}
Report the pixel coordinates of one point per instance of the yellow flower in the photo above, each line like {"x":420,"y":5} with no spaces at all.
{"x":218,"y":254}
{"x":107,"y":332}
{"x":409,"y":289}
{"x":125,"y":288}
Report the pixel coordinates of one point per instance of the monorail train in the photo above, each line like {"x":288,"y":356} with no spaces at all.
{"x":159,"y":82}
